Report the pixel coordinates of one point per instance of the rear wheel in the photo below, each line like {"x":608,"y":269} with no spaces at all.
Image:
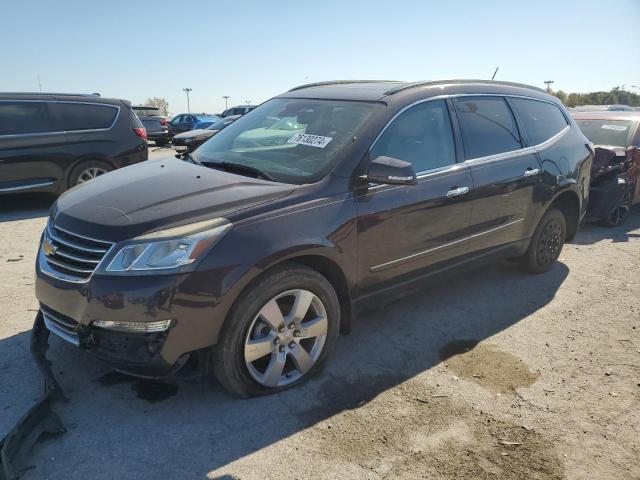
{"x":279,"y":333}
{"x":620,"y":212}
{"x":161,"y":143}
{"x":546,"y":243}
{"x":87,"y":171}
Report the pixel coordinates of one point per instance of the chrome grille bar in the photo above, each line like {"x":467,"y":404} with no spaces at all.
{"x":71,"y":257}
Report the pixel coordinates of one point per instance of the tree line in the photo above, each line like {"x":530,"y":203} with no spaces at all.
{"x":615,"y":96}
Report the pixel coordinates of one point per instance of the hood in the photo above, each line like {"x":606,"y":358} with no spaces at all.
{"x":194,"y":133}
{"x":158,"y":194}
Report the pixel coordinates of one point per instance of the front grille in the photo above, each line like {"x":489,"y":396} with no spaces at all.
{"x":74,"y":256}
{"x":63,"y":326}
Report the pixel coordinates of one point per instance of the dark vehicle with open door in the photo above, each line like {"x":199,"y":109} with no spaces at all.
{"x":615,"y":175}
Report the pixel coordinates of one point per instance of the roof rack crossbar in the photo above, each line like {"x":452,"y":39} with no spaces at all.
{"x":337,"y":82}
{"x":441,"y":82}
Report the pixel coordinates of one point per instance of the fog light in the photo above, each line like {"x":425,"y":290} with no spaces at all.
{"x":140,"y":327}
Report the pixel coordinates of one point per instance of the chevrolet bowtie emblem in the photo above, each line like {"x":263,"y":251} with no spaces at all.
{"x":48,"y":248}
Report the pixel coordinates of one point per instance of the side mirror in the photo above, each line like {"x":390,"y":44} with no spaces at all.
{"x":388,"y":170}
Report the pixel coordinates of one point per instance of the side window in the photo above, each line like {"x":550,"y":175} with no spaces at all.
{"x":541,"y":120}
{"x":177,"y":120}
{"x":187,"y":119}
{"x":420,"y":135}
{"x":82,"y":116}
{"x":487,"y":125}
{"x":18,"y":118}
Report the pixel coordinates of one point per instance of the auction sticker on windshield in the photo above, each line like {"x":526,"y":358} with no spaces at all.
{"x":317,"y":141}
{"x":617,"y":128}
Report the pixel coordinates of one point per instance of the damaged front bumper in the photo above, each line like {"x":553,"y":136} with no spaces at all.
{"x":40,"y":419}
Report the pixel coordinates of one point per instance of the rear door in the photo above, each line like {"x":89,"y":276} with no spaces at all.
{"x":405,"y":229}
{"x":26,"y":137}
{"x":505,"y":175}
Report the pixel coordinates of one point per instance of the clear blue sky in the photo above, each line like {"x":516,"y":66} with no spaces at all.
{"x":252,"y":50}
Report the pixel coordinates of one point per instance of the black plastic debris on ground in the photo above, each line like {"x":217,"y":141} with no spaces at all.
{"x":40,"y":419}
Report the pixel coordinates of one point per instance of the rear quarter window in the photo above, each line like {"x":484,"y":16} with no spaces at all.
{"x":541,"y":120}
{"x":82,"y":116}
{"x":19,"y":118}
{"x":487,"y":125}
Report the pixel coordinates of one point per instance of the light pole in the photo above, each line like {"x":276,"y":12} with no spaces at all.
{"x":187,"y":90}
{"x":226,"y":98}
{"x":548,"y":82}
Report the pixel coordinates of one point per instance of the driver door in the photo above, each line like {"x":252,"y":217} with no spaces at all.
{"x":403,"y":230}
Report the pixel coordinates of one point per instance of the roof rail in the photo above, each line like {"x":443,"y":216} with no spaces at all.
{"x":426,"y":83}
{"x":53,"y":93}
{"x":337,"y":82}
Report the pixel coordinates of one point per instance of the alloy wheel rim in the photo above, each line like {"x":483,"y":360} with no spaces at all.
{"x":620,"y":213}
{"x":90,"y":174}
{"x":550,"y":243}
{"x":286,"y":338}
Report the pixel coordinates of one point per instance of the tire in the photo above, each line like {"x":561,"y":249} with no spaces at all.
{"x":160,"y":143}
{"x":546,"y":243}
{"x":92,"y":168}
{"x":245,"y":327}
{"x":618,"y":215}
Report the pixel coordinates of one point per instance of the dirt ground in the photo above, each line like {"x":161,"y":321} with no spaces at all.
{"x":495,"y":374}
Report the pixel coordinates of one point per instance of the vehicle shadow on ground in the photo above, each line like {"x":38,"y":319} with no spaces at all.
{"x":591,"y":233}
{"x":126,"y":428}
{"x":23,"y":206}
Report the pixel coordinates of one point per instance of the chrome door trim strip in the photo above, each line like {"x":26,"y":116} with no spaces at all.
{"x":384,"y":266}
{"x":27,"y":187}
{"x":425,"y":174}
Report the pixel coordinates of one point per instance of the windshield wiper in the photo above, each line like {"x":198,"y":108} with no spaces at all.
{"x":239,"y":168}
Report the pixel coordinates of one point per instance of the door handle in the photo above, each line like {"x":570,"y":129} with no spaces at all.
{"x":531,"y":172}
{"x":457,"y":191}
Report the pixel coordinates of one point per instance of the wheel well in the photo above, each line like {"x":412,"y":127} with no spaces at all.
{"x":568,"y":204}
{"x":332,"y":272}
{"x":79,"y":163}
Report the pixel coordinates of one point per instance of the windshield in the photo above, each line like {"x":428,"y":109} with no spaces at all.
{"x":207,"y":118}
{"x":291,"y":140}
{"x":616,"y":133}
{"x":221,"y":124}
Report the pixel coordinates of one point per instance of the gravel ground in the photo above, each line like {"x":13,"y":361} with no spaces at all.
{"x":494,"y":375}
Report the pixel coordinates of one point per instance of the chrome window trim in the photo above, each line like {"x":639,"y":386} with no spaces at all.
{"x":63,"y":132}
{"x":27,"y":187}
{"x":489,"y":158}
{"x":391,"y":263}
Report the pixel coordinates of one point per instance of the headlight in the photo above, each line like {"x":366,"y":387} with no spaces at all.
{"x":169,"y":249}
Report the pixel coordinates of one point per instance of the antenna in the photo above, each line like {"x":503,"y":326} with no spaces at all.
{"x":494,"y":73}
{"x":39,"y":83}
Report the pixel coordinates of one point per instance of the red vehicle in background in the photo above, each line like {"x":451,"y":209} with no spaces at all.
{"x":615,"y":173}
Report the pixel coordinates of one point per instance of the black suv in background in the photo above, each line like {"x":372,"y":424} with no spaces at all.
{"x":155,"y":122}
{"x":257,"y":248}
{"x":51,"y":142}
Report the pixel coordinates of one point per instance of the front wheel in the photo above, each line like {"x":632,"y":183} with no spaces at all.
{"x":546,"y":243}
{"x":279,"y":333}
